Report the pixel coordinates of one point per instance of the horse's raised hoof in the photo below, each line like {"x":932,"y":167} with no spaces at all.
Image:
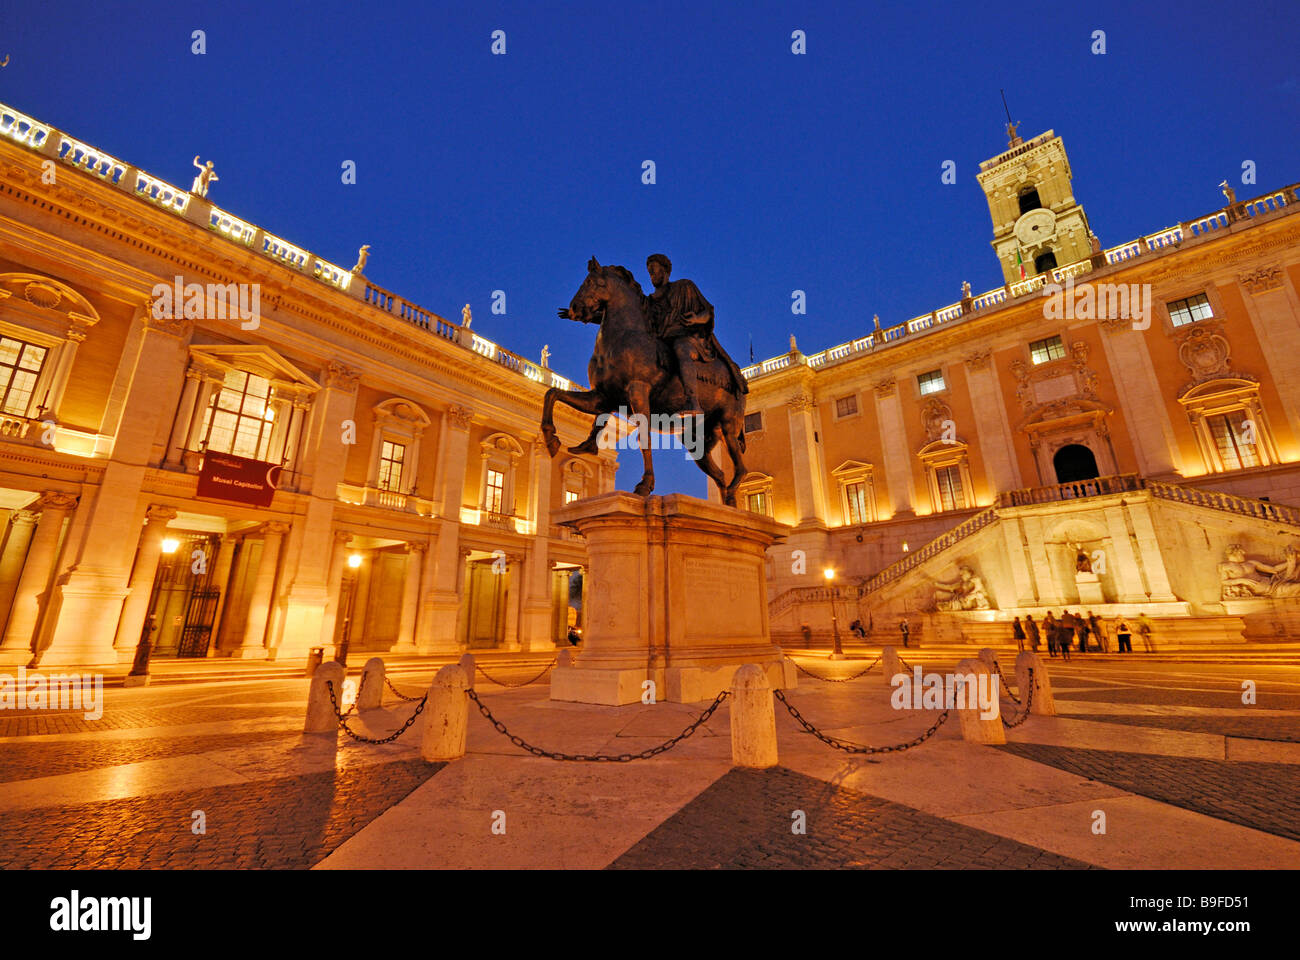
{"x":587,"y":446}
{"x":644,"y":488}
{"x":552,"y":445}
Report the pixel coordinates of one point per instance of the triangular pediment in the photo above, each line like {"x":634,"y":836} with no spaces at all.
{"x":254,"y":358}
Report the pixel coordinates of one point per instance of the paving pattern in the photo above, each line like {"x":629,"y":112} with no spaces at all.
{"x":746,"y":820}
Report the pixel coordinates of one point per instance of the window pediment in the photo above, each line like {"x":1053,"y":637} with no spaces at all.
{"x":46,"y":300}
{"x":257,"y":359}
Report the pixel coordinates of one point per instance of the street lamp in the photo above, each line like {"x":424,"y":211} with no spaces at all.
{"x":838,"y":652}
{"x":341,"y":655}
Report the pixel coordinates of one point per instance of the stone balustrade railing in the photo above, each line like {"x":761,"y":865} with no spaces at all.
{"x":44,"y":139}
{"x":939,"y":544}
{"x":1227,"y":502}
{"x":1075,"y":490}
{"x":823,"y":594}
{"x":1153,"y":243}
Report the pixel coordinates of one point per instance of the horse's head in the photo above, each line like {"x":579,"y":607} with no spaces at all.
{"x":602,"y":287}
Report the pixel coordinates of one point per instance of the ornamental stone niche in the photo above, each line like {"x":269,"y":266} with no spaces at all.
{"x":1061,"y":408}
{"x":53,"y":319}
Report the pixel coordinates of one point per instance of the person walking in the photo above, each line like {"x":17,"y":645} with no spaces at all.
{"x":1049,"y":626}
{"x":1098,"y":631}
{"x":1123,"y":638}
{"x":1031,"y":631}
{"x":1018,"y":633}
{"x":1145,"y":627}
{"x":1081,"y":630}
{"x":905,"y":630}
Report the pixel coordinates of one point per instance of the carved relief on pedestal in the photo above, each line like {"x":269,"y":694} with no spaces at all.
{"x":965,"y":593}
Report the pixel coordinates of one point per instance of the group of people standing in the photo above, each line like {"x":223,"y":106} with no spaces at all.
{"x":1074,"y":630}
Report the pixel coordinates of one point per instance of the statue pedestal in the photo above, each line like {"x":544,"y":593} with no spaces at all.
{"x":1089,"y":586}
{"x":676,"y":593}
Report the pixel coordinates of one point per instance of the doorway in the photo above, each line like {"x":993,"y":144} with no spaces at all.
{"x":1075,"y":462}
{"x":485,"y":596}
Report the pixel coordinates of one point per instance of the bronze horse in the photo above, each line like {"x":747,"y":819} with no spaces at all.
{"x":633,"y":370}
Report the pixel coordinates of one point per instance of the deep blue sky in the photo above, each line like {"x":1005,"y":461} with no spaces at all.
{"x":775,"y":172}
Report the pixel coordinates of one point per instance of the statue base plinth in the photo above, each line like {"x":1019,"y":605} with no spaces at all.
{"x":1089,"y":587}
{"x":676,"y":595}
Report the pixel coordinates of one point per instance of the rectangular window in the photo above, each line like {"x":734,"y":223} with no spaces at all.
{"x":948,"y":480}
{"x":391,"y":458}
{"x":496,"y":484}
{"x":1043,"y":351}
{"x":857,"y":497}
{"x":570,"y":496}
{"x":240,"y":419}
{"x":1230,"y":435}
{"x":846,"y":406}
{"x":1190,"y":310}
{"x":20,"y":367}
{"x":753,"y":422}
{"x":931,"y":382}
{"x":757,"y":503}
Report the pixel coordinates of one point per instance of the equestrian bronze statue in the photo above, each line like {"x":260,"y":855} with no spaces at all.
{"x":655,"y":355}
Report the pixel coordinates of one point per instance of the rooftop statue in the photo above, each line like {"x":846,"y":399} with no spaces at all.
{"x":655,"y":355}
{"x":205,"y":178}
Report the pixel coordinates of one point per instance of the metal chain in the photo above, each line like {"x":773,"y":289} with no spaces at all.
{"x":1029,"y":702}
{"x":500,"y":683}
{"x":599,"y":757}
{"x":907,"y":666}
{"x":1005,"y":686}
{"x":834,"y":679}
{"x":399,"y":694}
{"x":356,"y":736}
{"x":849,"y":747}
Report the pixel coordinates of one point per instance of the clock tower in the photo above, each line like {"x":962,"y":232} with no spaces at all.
{"x":1037,"y":224}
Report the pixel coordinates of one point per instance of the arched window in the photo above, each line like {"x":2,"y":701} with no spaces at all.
{"x":1029,"y":199}
{"x":1044,"y":262}
{"x":1074,"y":462}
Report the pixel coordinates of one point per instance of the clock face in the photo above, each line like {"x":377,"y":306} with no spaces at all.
{"x":1035,"y":226}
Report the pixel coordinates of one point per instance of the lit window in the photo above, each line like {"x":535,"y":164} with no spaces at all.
{"x":931,"y":382}
{"x":948,"y":480}
{"x":753,"y":422}
{"x":1042,"y":351}
{"x":496,"y":484}
{"x":1231,"y":433}
{"x":757,"y":503}
{"x":391,"y":457}
{"x":571,"y":495}
{"x":846,"y":406}
{"x":1190,"y":310}
{"x":857,"y":497}
{"x":240,"y":420}
{"x":20,"y":366}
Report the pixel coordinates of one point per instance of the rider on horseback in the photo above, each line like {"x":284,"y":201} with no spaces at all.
{"x":683,"y":319}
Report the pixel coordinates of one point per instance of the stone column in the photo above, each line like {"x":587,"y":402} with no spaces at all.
{"x":59,"y":382}
{"x":21,"y":525}
{"x":185,"y":414}
{"x":805,"y":457}
{"x":136,"y":607}
{"x":410,"y":599}
{"x":514,"y":587}
{"x":259,"y":607}
{"x":994,"y":427}
{"x":1020,"y":573}
{"x":893,"y":442}
{"x":449,"y":491}
{"x":338,"y":559}
{"x":31,"y":596}
{"x":1149,"y":428}
{"x":221,"y":582}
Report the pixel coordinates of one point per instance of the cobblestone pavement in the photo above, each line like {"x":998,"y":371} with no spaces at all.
{"x":122,"y":788}
{"x":291,"y":822}
{"x":1264,"y":796}
{"x":746,"y":820}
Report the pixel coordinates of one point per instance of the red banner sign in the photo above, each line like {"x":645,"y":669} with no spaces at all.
{"x":224,"y":476}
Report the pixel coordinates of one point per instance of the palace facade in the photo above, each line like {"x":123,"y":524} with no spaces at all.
{"x":210,"y":429}
{"x":1108,"y":429}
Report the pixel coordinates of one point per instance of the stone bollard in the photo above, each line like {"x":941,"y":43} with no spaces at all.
{"x":890,"y":665}
{"x":990,"y":659}
{"x":753,"y":718}
{"x":564,"y":659}
{"x":1042,"y":704}
{"x":467,"y":664}
{"x":320,"y":713}
{"x":370,"y":695}
{"x":975,"y":728}
{"x":446,"y":716}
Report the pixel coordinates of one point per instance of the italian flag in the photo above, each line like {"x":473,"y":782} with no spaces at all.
{"x":1020,"y":264}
